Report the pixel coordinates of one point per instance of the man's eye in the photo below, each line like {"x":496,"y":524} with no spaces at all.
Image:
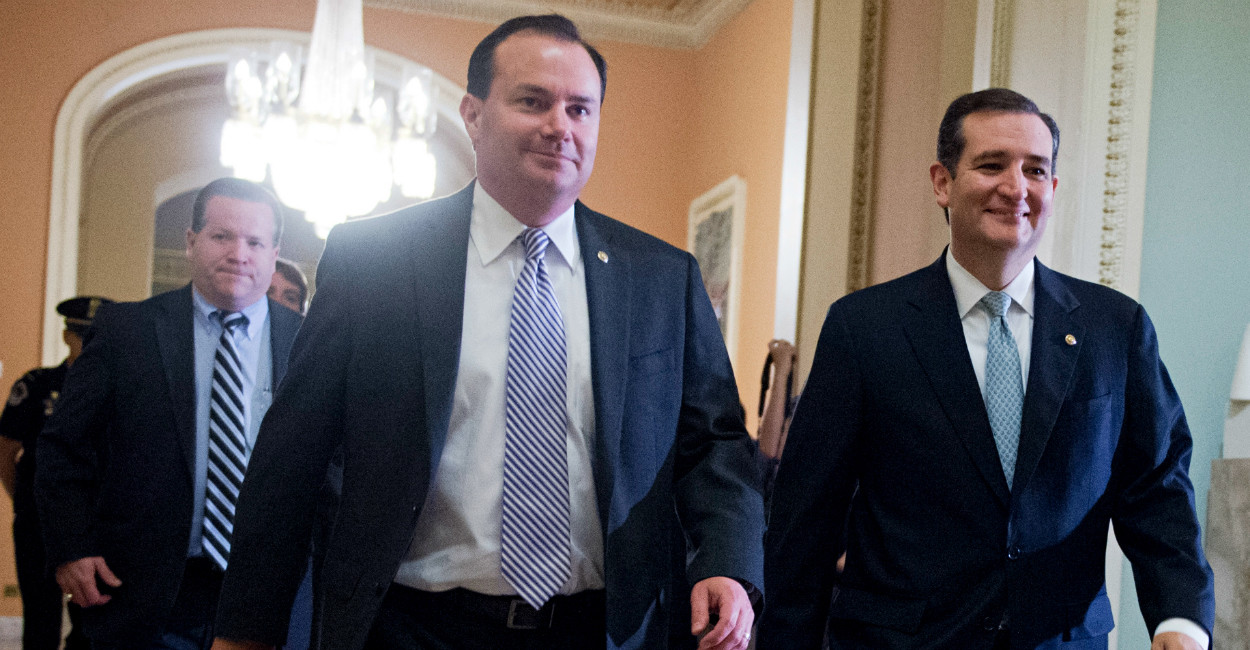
{"x":529,"y":102}
{"x":579,"y":111}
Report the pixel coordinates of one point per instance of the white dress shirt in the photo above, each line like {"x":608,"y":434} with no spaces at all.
{"x":976,"y":322}
{"x":457,"y":537}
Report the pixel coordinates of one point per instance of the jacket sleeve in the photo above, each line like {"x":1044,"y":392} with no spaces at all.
{"x":277,"y":504}
{"x":717,"y":489}
{"x":71,"y":447}
{"x":1154,"y":518}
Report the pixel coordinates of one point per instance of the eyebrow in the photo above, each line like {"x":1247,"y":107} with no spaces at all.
{"x":1001,"y":153}
{"x":534,"y":88}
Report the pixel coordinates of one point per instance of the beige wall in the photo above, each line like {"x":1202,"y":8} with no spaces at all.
{"x":675,"y":123}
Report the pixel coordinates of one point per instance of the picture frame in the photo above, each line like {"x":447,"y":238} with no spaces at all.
{"x":714,"y":236}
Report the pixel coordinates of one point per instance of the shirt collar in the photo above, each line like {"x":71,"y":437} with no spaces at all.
{"x":493,"y":229}
{"x":255,"y":312}
{"x":969,"y":291}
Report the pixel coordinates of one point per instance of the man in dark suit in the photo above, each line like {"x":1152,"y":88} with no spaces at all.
{"x":138,"y":464}
{"x":968,"y":432}
{"x":418,"y":361}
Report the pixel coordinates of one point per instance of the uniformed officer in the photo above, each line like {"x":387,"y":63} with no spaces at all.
{"x":30,"y":403}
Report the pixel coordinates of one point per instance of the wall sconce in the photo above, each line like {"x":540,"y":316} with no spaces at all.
{"x":1237,"y":424}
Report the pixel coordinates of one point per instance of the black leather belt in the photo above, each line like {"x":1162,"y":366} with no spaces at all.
{"x":512,"y":612}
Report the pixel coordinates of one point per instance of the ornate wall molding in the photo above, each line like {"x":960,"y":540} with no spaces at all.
{"x":686,"y":24}
{"x":864,"y":176}
{"x":1116,"y":176}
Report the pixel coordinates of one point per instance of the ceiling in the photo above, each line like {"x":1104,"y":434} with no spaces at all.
{"x":665,"y":23}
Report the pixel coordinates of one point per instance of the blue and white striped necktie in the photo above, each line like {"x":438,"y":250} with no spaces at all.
{"x":535,"y":548}
{"x":227,"y":441}
{"x":1004,"y":387}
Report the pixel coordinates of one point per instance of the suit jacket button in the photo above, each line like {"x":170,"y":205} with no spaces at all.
{"x":1013,"y":553}
{"x":990,"y":623}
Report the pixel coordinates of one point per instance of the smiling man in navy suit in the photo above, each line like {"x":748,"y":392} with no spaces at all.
{"x":969,"y":431}
{"x":449,"y":342}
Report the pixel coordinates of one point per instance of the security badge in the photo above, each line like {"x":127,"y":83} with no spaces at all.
{"x":19,"y":393}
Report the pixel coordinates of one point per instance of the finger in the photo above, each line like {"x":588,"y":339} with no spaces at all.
{"x":87,"y":594}
{"x":698,"y":610}
{"x":106,"y":574}
{"x":724,"y":627}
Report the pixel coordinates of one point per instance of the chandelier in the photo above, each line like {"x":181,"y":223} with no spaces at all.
{"x":331,"y":145}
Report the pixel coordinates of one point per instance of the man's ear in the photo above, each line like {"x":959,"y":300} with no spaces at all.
{"x":941,"y":178}
{"x":471,"y":112}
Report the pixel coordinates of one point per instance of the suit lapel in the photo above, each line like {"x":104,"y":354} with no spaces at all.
{"x":937,"y":339}
{"x":175,"y":338}
{"x":1050,"y":369}
{"x":440,"y":244}
{"x":607,"y":271}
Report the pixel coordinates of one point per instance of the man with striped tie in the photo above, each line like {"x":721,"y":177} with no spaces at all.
{"x":542,"y":441}
{"x":141,"y":462}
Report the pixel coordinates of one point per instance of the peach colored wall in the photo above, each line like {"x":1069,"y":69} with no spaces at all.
{"x":675,"y":123}
{"x":740,"y":81}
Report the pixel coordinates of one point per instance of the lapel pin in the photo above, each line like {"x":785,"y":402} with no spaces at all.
{"x":1069,"y":339}
{"x":603,"y":257}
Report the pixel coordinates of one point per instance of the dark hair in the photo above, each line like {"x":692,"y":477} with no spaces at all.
{"x":295,"y":276}
{"x":482,"y":61}
{"x":237,"y":188}
{"x":951,"y":132}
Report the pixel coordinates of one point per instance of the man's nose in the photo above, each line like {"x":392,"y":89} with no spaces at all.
{"x":557,"y":124}
{"x":1014,"y":185}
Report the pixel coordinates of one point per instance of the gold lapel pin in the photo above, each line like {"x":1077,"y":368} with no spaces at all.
{"x":1069,"y":339}
{"x":603,"y":257}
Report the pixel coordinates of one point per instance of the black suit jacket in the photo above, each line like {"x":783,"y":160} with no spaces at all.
{"x":117,"y":457}
{"x":374,"y":369}
{"x":939,"y":551}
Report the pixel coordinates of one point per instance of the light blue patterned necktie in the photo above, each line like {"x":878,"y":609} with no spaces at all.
{"x":534,"y":546}
{"x":1004,"y":388}
{"x":227,"y":441}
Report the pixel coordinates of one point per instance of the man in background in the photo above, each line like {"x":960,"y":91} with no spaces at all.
{"x":30,"y":403}
{"x":289,"y":287}
{"x":542,"y":440}
{"x":140,"y":464}
{"x":971,"y":429}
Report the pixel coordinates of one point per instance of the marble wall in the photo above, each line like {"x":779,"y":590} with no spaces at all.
{"x":1228,"y":550}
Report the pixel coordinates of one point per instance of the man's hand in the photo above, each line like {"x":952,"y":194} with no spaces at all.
{"x":230,"y":644}
{"x":78,"y":579}
{"x":726,"y":598}
{"x":1174,"y":641}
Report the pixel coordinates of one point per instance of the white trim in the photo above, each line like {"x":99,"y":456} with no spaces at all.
{"x":114,"y":76}
{"x":794,"y":172}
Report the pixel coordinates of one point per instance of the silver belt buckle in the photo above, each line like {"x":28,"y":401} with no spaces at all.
{"x":519,"y":605}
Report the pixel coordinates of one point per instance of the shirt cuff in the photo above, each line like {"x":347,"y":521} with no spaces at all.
{"x":1186,"y":627}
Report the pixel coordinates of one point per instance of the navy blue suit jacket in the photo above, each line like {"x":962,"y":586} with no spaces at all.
{"x":374,"y":369}
{"x":891,"y":451}
{"x":117,"y":457}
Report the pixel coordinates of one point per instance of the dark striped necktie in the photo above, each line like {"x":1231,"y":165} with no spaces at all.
{"x":534,"y":546}
{"x":227,"y":441}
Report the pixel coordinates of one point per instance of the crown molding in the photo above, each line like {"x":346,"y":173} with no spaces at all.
{"x":687,"y":24}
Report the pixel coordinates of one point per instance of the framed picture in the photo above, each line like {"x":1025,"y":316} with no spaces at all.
{"x":714,"y":237}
